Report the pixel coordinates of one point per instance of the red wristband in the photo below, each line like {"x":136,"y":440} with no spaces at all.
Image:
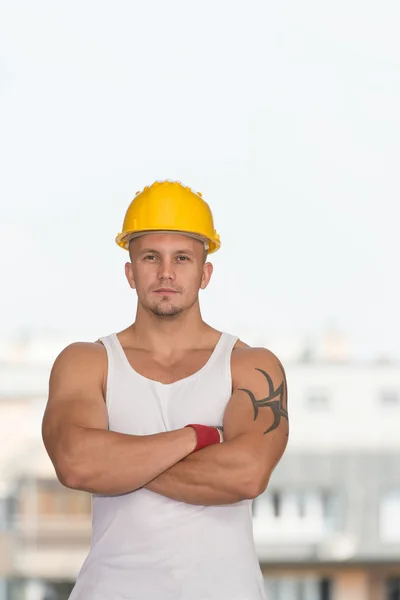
{"x":206,"y":436}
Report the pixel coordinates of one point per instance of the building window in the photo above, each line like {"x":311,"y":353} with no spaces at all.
{"x":301,"y":506}
{"x":325,"y":589}
{"x":59,"y":501}
{"x":298,"y":504}
{"x":289,"y":516}
{"x":330,"y":509}
{"x":389,"y":397}
{"x":392,"y":591}
{"x":389,"y":518}
{"x":6,"y":513}
{"x":318,"y":399}
{"x":276,"y":503}
{"x":298,"y":588}
{"x":49,"y":499}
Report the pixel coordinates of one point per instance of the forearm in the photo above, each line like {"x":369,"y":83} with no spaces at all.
{"x":106,"y":462}
{"x":219,"y":474}
{"x":256,"y":431}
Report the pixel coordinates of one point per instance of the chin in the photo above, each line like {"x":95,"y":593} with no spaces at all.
{"x":166,"y":312}
{"x":165,"y":309}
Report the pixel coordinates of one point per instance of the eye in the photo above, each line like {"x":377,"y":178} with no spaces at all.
{"x":182,"y":258}
{"x":150,"y":257}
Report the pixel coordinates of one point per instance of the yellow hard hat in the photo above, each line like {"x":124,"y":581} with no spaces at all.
{"x":169,"y":206}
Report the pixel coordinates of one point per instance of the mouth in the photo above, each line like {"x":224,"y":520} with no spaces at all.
{"x":165,"y":291}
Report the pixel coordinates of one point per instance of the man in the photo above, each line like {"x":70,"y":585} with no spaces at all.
{"x":137,"y":417}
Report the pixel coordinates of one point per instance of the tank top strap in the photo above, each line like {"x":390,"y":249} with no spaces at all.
{"x":112,"y":362}
{"x":111,"y":347}
{"x":114,"y":349}
{"x":226,"y":343}
{"x":116,"y":358}
{"x":222,"y":354}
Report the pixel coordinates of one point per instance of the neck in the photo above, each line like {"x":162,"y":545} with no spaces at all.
{"x":165,"y":335}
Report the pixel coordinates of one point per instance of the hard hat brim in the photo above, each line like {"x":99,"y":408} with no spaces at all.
{"x":123,"y":239}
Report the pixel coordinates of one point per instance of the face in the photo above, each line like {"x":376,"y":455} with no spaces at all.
{"x":167,"y":270}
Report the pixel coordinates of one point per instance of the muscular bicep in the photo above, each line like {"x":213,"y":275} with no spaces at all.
{"x":256,"y":416}
{"x":259,"y":401}
{"x":75,"y":396}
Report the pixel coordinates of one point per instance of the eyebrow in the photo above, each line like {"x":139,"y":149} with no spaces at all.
{"x":149,"y":250}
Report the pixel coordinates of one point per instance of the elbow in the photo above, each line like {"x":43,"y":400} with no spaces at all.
{"x":70,"y":478}
{"x":68,"y":467}
{"x":249,"y":481}
{"x":68,"y":475}
{"x":258,"y":488}
{"x":66,"y":459}
{"x":253,"y":490}
{"x":255,"y":484}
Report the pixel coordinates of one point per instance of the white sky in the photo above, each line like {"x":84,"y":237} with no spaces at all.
{"x":284,"y":115}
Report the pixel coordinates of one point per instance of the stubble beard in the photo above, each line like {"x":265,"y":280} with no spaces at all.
{"x":171,"y":311}
{"x":165,"y":310}
{"x":160,"y":309}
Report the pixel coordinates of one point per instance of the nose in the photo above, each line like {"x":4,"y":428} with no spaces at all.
{"x":166,"y":270}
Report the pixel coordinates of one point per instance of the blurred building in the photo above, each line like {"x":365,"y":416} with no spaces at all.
{"x":327,"y":528}
{"x":44,"y":527}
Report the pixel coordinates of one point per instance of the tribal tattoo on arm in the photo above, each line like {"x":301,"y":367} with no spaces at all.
{"x":275,"y":400}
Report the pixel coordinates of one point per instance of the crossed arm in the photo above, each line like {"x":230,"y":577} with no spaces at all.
{"x":88,"y":457}
{"x":255,"y":433}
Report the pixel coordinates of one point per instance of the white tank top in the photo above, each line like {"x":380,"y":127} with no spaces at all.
{"x":146,"y":546}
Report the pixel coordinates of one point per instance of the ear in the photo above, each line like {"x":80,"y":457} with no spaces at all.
{"x":206,"y":275}
{"x":129,"y":275}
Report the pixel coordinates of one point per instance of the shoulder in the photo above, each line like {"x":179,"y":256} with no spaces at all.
{"x":80,"y":364}
{"x":81,"y":354}
{"x":243,"y":354}
{"x":249,"y":362}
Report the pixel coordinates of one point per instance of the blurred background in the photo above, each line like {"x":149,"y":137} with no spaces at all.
{"x":286,"y":117}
